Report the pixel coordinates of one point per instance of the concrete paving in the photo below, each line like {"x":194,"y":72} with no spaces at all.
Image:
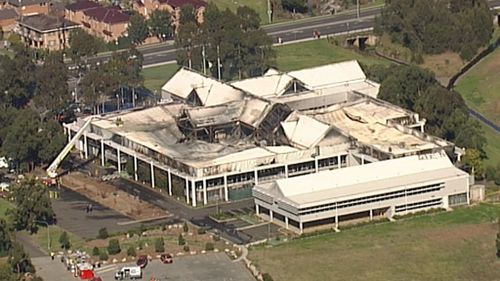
{"x":204,"y":267}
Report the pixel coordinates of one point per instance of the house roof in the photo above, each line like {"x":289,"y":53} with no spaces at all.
{"x":20,"y":3}
{"x":45,"y":23}
{"x":305,"y":132}
{"x":111,"y":15}
{"x":179,"y":3}
{"x":269,"y":85}
{"x":82,"y":5}
{"x":6,"y":14}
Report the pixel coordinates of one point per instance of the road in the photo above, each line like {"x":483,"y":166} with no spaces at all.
{"x":294,"y":31}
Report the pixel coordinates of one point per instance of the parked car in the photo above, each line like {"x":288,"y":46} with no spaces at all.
{"x":128,"y":272}
{"x":166,"y":258}
{"x":142,"y":261}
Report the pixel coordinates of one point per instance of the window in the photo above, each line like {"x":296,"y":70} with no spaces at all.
{"x":457,"y":199}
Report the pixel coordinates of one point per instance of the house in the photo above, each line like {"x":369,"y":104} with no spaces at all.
{"x":109,"y":23}
{"x":8,"y":19}
{"x":146,"y":7}
{"x":45,"y":32}
{"x":27,"y":7}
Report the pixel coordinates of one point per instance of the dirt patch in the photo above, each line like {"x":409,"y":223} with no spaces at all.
{"x":443,"y":65}
{"x":112,"y":197}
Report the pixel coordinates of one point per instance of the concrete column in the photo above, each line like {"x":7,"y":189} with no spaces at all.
{"x":85,"y":146}
{"x":103,"y":160}
{"x":256,"y":209}
{"x":135,"y":168}
{"x":286,"y":170}
{"x":446,"y":203}
{"x":205,"y":196}
{"x":286,"y":222}
{"x":338,"y":161}
{"x":226,"y":193}
{"x":362,"y":159}
{"x":270,"y":215}
{"x":256,"y":177}
{"x":371,"y":214}
{"x":169,"y":175}
{"x":193,"y":188}
{"x":69,"y":134}
{"x":301,"y":227}
{"x":118,"y":160}
{"x":152,"y":174}
{"x":316,"y":165}
{"x":187,"y":190}
{"x":336,"y":216}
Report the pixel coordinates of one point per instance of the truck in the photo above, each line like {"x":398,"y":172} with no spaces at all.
{"x":129,"y":272}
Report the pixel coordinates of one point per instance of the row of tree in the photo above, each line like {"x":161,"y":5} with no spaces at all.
{"x":158,"y":25}
{"x":433,"y":27}
{"x":226,"y":45}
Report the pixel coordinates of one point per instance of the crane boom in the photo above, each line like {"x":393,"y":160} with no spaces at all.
{"x":52,"y":169}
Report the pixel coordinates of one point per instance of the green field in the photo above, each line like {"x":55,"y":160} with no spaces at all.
{"x":156,"y":77}
{"x":4,"y":206}
{"x":260,"y":6}
{"x":480,"y":87}
{"x":492,"y":148}
{"x":41,"y":238}
{"x":458,"y":245}
{"x":317,"y":52}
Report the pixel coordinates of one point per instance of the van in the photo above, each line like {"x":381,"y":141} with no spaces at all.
{"x":129,"y":272}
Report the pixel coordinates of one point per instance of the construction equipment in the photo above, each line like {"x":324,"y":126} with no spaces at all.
{"x":52,"y":169}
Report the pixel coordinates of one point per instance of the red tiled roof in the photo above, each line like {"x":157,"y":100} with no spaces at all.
{"x":179,"y":3}
{"x":82,"y":5}
{"x":111,"y":15}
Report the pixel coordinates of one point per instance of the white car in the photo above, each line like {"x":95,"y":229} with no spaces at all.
{"x":129,"y":272}
{"x":4,"y":163}
{"x":4,"y":186}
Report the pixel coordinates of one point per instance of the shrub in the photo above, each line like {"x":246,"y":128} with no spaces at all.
{"x":131,"y":233}
{"x":159,"y":245}
{"x":267,"y":277}
{"x":103,"y":233}
{"x":186,"y":248}
{"x":181,"y":240}
{"x":64,"y":240}
{"x":103,"y":255}
{"x":209,"y":246}
{"x":131,"y":251}
{"x":95,"y":252}
{"x":216,"y":237}
{"x":114,"y":247}
{"x":185,"y":227}
{"x":201,"y":230}
{"x":163,"y":227}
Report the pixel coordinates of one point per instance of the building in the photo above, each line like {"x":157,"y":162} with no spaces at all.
{"x":45,"y":32}
{"x":108,"y":23}
{"x":8,"y":17}
{"x":146,"y":7}
{"x":212,"y":140}
{"x":381,"y":189}
{"x":27,"y":7}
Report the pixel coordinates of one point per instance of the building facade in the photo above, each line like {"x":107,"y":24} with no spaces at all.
{"x":27,"y":7}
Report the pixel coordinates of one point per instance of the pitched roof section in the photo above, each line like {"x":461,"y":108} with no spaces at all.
{"x":44,"y":23}
{"x":82,"y":5}
{"x":179,"y":3}
{"x":305,"y":132}
{"x":6,"y":14}
{"x":111,"y":15}
{"x":270,"y":85}
{"x":330,"y":74}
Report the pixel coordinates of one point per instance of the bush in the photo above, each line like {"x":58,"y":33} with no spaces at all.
{"x":267,"y":277}
{"x":103,"y":255}
{"x":201,"y":231}
{"x":186,"y":248}
{"x":181,"y":240}
{"x":163,"y":227}
{"x":103,"y":233}
{"x":216,"y":237}
{"x":185,"y":227}
{"x":159,"y":245}
{"x":95,"y":252}
{"x":114,"y":247}
{"x":300,"y":6}
{"x":131,"y":251}
{"x":64,"y":240}
{"x":209,"y":246}
{"x":131,"y":233}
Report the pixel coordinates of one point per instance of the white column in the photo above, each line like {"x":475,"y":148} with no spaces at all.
{"x":193,"y":186}
{"x":152,"y":174}
{"x":256,"y":209}
{"x":286,"y":222}
{"x":255,"y":177}
{"x":169,"y":174}
{"x":226,"y":193}
{"x":103,"y":160}
{"x":135,"y":167}
{"x":371,"y":214}
{"x":362,"y":159}
{"x":69,"y":134}
{"x":118,"y":160}
{"x":286,"y":170}
{"x":316,"y":166}
{"x":336,"y":216}
{"x":338,"y":161}
{"x":187,"y":190}
{"x":205,"y":197}
{"x":301,"y":227}
{"x":86,"y":148}
{"x":270,"y":215}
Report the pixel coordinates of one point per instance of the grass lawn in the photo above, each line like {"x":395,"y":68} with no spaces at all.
{"x":480,"y":87}
{"x":317,"y":52}
{"x":258,"y":5}
{"x":4,"y":206}
{"x":156,"y":77}
{"x":492,"y":148}
{"x":458,"y":245}
{"x":41,"y":238}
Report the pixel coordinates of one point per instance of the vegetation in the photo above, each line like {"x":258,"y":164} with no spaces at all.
{"x":5,"y":206}
{"x":103,"y":233}
{"x":95,"y":252}
{"x":209,"y":246}
{"x":498,"y":240}
{"x":55,"y":233}
{"x":260,"y":6}
{"x":159,"y":245}
{"x":82,"y":45}
{"x":138,"y":29}
{"x":185,"y":227}
{"x":114,"y":246}
{"x":233,"y":44}
{"x":180,"y":240}
{"x":64,"y":241}
{"x":455,"y":245}
{"x":433,"y":27}
{"x":131,"y":251}
{"x":160,"y":24}
{"x":103,"y":255}
{"x":295,"y":6}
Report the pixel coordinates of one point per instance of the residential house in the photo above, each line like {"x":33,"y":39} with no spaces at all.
{"x":45,"y":32}
{"x":146,"y":7}
{"x":8,"y":19}
{"x":27,"y":7}
{"x":108,"y":23}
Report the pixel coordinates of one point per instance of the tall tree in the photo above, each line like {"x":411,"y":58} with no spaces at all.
{"x":187,"y":14}
{"x":20,"y":261}
{"x":52,"y":140}
{"x":138,"y":29}
{"x":160,"y":24}
{"x":83,"y":45}
{"x":5,"y":238}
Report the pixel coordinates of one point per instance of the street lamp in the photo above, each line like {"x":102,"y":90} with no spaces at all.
{"x":48,"y":232}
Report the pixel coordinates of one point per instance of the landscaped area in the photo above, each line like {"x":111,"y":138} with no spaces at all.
{"x":458,"y":245}
{"x":155,"y":77}
{"x":4,"y":206}
{"x":492,"y":147}
{"x":260,"y":6}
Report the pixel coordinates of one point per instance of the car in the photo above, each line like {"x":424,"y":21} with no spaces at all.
{"x":166,"y":258}
{"x":142,"y":261}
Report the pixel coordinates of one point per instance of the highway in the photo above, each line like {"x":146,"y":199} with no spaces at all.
{"x":295,"y":31}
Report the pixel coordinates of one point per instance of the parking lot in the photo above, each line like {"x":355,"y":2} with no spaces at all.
{"x":206,"y":267}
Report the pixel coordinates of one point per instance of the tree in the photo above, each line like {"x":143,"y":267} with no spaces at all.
{"x":114,"y":247}
{"x":103,"y":233}
{"x":52,"y":140}
{"x":131,"y":251}
{"x":138,"y":29}
{"x":180,"y":240}
{"x":19,"y":260}
{"x":95,"y":252}
{"x":187,"y":14}
{"x":6,"y":273}
{"x":498,"y":240}
{"x":5,"y":238}
{"x":83,"y":45}
{"x":32,"y":205}
{"x":160,"y":24}
{"x":297,"y":6}
{"x":185,"y":227}
{"x":159,"y":245}
{"x":17,"y":81}
{"x":472,"y":159}
{"x":64,"y":241}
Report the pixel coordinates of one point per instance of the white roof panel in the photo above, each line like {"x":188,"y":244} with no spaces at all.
{"x":331,"y":74}
{"x":305,"y":132}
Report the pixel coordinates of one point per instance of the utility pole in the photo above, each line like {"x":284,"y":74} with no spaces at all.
{"x":204,"y":60}
{"x":269,"y":11}
{"x":357,"y":8}
{"x":218,"y":64}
